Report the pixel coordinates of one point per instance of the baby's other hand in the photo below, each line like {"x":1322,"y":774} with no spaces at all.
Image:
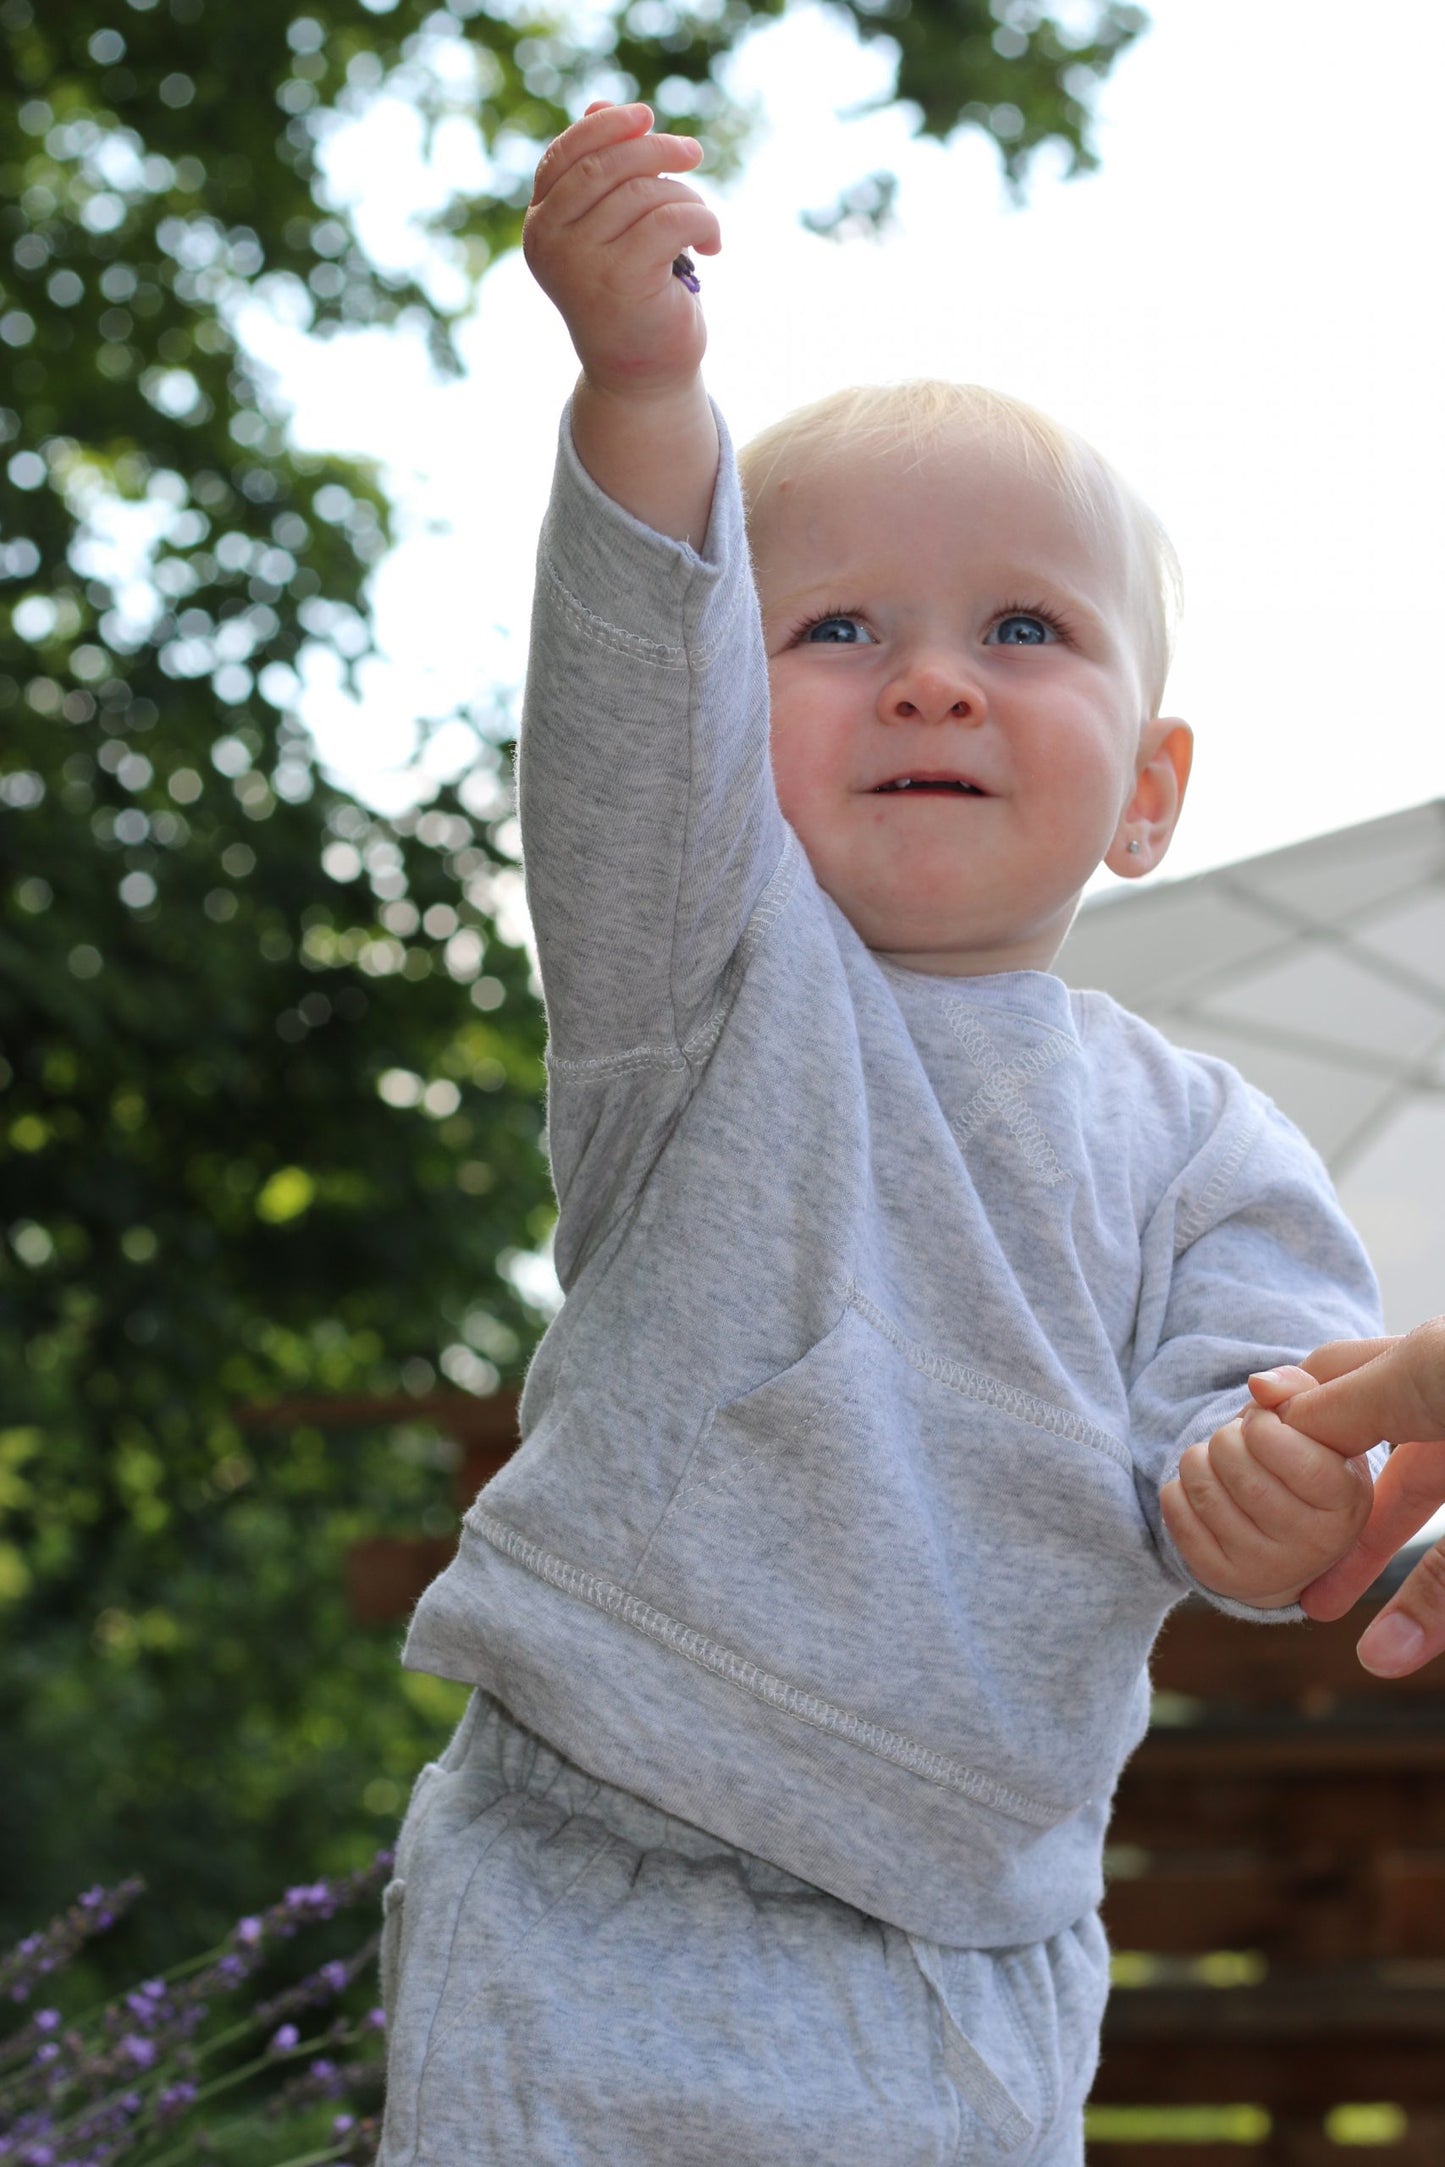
{"x":600,"y":238}
{"x":1261,"y":1510}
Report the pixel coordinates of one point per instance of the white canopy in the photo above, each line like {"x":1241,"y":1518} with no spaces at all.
{"x":1319,"y":971}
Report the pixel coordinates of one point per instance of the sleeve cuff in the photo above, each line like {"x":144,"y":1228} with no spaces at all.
{"x":623,"y":574}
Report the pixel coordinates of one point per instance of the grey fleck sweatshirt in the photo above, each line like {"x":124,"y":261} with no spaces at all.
{"x":890,"y":1302}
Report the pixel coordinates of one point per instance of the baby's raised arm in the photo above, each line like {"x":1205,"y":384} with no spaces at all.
{"x":601,"y":236}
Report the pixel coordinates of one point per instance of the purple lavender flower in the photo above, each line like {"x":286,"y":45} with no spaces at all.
{"x":323,"y":2079}
{"x":41,"y":1953}
{"x":310,"y":1901}
{"x":147,"y":2004}
{"x":134,"y":2068}
{"x":333,"y":1978}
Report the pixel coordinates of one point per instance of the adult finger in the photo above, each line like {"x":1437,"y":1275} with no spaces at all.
{"x":1409,"y":1489}
{"x":1339,"y":1356}
{"x":1411,"y":1627}
{"x":1393,"y":1389}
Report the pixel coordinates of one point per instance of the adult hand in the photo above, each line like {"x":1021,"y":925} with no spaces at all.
{"x":1349,"y":1395}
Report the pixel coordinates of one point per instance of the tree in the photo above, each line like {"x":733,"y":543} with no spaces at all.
{"x":269,"y":1075}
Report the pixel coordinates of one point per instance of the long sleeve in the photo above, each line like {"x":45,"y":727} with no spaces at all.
{"x":648,"y":818}
{"x":650,"y":828}
{"x":1248,"y":1262}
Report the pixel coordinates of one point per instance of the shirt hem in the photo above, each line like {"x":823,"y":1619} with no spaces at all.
{"x":691,"y":1739}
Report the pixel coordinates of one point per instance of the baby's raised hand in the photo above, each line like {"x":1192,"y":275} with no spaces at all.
{"x":600,"y":238}
{"x":1261,"y":1510}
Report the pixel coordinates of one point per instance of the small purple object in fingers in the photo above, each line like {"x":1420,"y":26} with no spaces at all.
{"x":683,"y":268}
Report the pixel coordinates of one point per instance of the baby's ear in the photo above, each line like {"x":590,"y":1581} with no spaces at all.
{"x":1166,"y":753}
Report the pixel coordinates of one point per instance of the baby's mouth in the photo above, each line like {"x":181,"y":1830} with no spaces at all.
{"x":947,"y":785}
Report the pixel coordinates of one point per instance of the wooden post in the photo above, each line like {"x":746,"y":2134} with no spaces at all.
{"x":386,"y":1574}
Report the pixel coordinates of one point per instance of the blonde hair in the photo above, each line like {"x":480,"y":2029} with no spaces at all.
{"x":869,"y":420}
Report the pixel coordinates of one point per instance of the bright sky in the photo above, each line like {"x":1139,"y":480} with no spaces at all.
{"x":1240,"y":309}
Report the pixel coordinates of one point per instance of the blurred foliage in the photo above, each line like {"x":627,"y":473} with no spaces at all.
{"x":270,"y":1077}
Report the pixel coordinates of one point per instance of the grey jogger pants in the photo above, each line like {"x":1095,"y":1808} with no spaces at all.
{"x":574,"y":1979}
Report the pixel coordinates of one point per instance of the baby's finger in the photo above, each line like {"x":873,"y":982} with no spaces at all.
{"x":1311,"y":1473}
{"x":1195,"y":1542}
{"x":601,"y":126}
{"x":1269,"y":1497}
{"x":653,"y":218}
{"x":625,"y":170}
{"x":1228,"y":1518}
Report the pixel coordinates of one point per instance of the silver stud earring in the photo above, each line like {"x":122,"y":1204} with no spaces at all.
{"x":1134,"y":847}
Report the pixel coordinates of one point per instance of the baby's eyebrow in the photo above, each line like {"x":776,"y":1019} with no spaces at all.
{"x":1088,"y":611}
{"x":1020,"y":577}
{"x":820,"y":593}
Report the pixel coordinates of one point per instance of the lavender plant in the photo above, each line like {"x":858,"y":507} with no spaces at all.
{"x":154,"y":2076}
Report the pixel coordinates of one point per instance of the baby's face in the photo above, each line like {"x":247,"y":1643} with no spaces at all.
{"x":958,"y":722}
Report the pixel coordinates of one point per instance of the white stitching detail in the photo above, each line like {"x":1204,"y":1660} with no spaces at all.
{"x":1000,"y":1093}
{"x":632,"y":1057}
{"x":774,"y":898}
{"x":1218,"y":1186}
{"x":634,"y":644}
{"x":976,"y":1384}
{"x":768,"y":909}
{"x":723,"y":1662}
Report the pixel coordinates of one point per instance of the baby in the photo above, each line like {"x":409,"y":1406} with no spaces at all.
{"x":909,"y":1295}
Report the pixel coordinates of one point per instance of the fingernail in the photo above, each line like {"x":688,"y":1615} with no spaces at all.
{"x":1391,"y":1644}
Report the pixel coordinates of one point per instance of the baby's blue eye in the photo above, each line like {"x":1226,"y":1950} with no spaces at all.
{"x":838,"y":632}
{"x":1021,"y":629}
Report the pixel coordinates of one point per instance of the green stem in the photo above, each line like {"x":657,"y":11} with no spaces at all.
{"x":13,"y":2050}
{"x":316,"y":2159}
{"x":234,"y":2077}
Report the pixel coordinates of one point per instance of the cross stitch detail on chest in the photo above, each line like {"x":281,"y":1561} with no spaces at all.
{"x":1001,"y":1095}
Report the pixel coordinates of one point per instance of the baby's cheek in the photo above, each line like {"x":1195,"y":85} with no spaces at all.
{"x":799,"y":776}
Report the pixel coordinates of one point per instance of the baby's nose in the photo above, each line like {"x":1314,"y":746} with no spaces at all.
{"x":933,"y":690}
